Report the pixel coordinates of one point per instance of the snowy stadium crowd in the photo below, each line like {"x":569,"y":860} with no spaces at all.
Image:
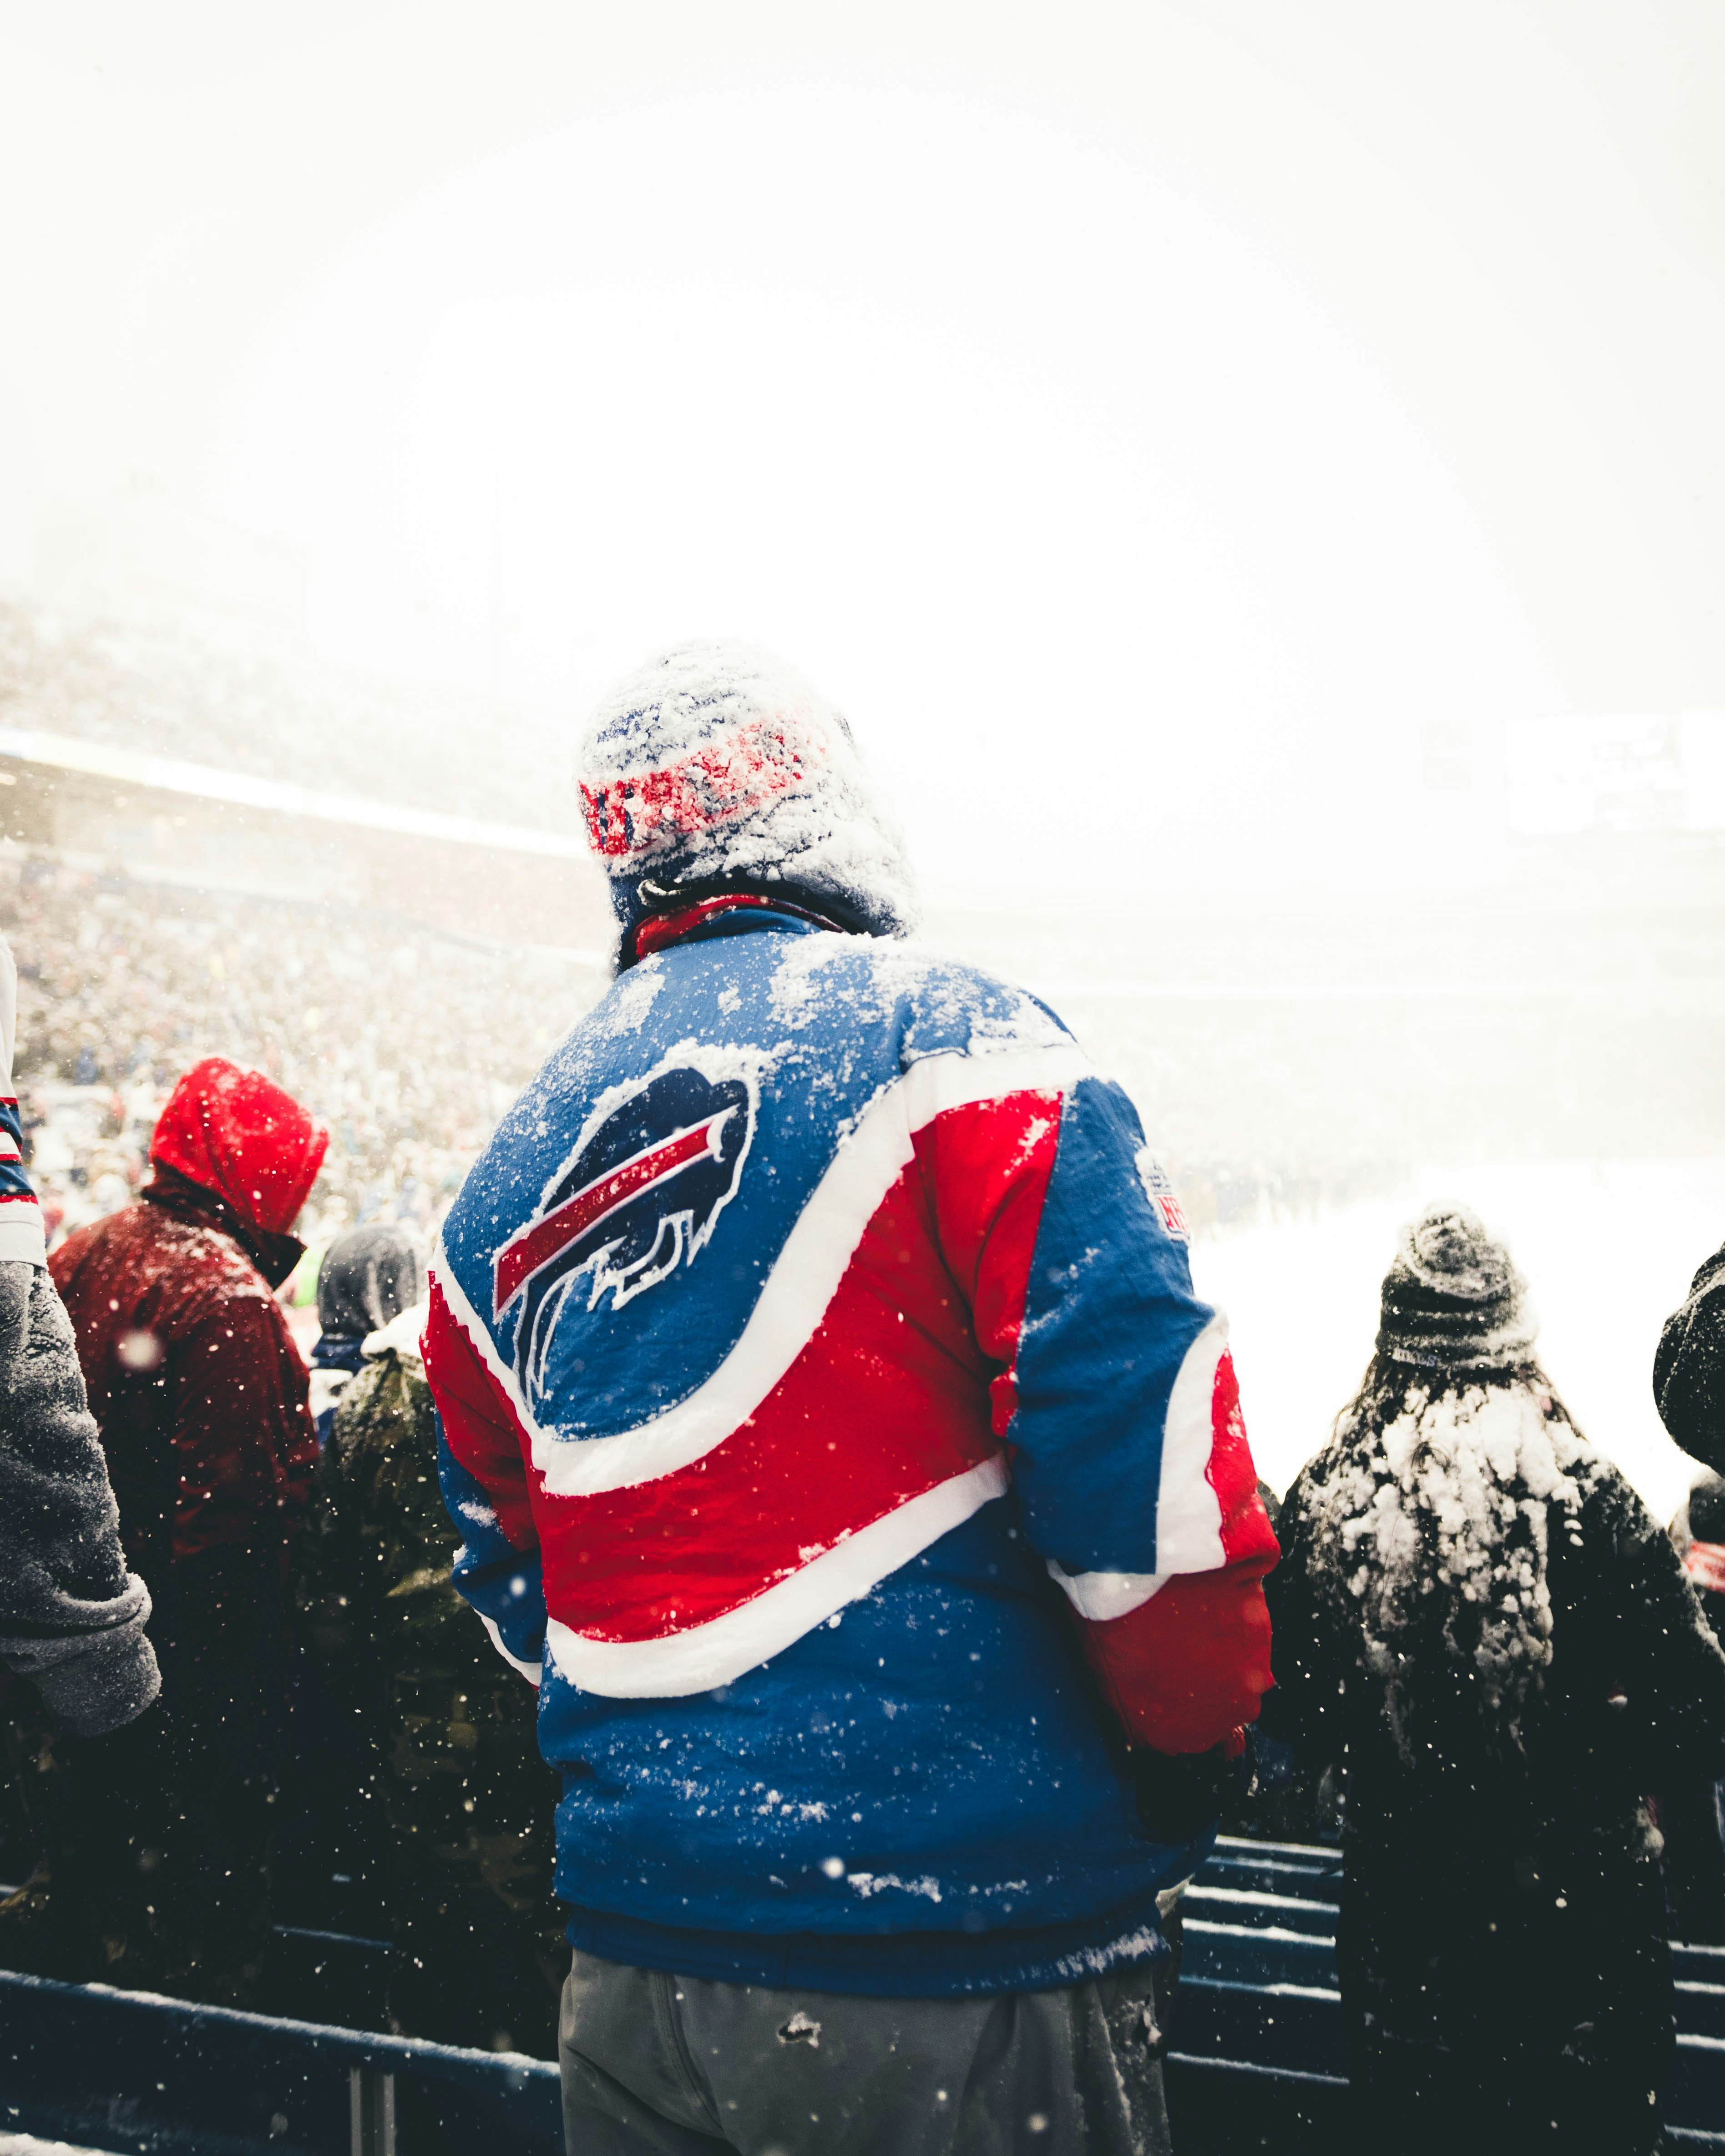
{"x":242,"y":1653}
{"x":123,"y":985}
{"x":150,"y":687}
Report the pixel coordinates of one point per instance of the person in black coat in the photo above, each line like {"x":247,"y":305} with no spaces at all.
{"x":1689,"y":1367}
{"x":1691,"y":1814}
{"x":1475,"y":1615}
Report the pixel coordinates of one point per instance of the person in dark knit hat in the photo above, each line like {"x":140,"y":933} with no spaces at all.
{"x":1689,"y":1367}
{"x":1452,"y":1300}
{"x":368,"y":1276}
{"x":1475,"y":1614}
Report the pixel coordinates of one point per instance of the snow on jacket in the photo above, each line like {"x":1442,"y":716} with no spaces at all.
{"x":71,"y":1616}
{"x":1501,"y":1641}
{"x":336,"y":1360}
{"x":1689,"y":1367}
{"x":192,"y":1374}
{"x":821,"y":1385}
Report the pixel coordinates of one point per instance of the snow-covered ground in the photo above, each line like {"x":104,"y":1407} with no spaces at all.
{"x":1608,"y":1248}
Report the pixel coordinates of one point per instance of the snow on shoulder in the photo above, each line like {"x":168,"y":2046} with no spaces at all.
{"x":1454,"y":1497}
{"x":401,"y":1337}
{"x":945,"y":1003}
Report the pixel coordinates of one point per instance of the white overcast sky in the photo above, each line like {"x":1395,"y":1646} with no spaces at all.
{"x":1142,"y":417}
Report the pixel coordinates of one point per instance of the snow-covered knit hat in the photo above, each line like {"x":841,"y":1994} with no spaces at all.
{"x":716,"y":766}
{"x":1452,"y":1300}
{"x":368,"y":1275}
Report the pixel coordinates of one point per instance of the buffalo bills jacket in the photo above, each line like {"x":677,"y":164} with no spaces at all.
{"x":836,"y":1438}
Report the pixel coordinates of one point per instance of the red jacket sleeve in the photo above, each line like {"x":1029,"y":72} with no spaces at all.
{"x":482,"y":1466}
{"x":1117,"y":1397}
{"x":1187,"y":1669}
{"x":478,"y":1430}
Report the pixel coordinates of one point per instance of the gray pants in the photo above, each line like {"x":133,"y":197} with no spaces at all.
{"x":675,"y":2065}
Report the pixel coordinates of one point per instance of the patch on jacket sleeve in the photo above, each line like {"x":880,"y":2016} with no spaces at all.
{"x":1160,"y":1192}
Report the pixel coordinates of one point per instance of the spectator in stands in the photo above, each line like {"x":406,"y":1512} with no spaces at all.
{"x":200,"y":1398}
{"x":464,"y":1843}
{"x":760,"y":1425}
{"x":368,"y":1276}
{"x":1699,"y":1536}
{"x":1692,"y":1813}
{"x":1476,"y":1612}
{"x":1689,"y":1387}
{"x":1689,"y":1367}
{"x":1280,"y":1796}
{"x":72,"y":1616}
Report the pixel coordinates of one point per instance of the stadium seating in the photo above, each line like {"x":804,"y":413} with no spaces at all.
{"x":1255,"y":2058}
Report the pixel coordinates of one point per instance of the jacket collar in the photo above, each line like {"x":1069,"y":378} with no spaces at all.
{"x":274,"y":1256}
{"x":659,"y":932}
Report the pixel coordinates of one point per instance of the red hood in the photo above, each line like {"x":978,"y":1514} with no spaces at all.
{"x":237,"y":1133}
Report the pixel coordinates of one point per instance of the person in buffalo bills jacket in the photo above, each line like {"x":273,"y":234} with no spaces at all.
{"x":201,"y":1397}
{"x":838,"y":1442}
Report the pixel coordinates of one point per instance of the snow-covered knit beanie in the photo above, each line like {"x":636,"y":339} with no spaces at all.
{"x":367,"y":1276}
{"x":1452,"y":1300}
{"x":714,"y":766}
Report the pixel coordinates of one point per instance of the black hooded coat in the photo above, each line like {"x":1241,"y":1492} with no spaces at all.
{"x":1503,"y":1922}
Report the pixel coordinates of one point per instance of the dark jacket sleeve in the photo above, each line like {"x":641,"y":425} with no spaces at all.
{"x":1311,"y":1656}
{"x":1689,"y":1367}
{"x":1657,"y":1646}
{"x":71,"y":1616}
{"x":243,"y":1442}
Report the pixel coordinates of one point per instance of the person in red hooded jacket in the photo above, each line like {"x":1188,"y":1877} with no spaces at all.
{"x":200,"y":1395}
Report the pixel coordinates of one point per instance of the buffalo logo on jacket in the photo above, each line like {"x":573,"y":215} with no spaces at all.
{"x":639,"y":1195}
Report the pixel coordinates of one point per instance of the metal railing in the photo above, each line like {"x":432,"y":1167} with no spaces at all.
{"x":1256,"y":2036}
